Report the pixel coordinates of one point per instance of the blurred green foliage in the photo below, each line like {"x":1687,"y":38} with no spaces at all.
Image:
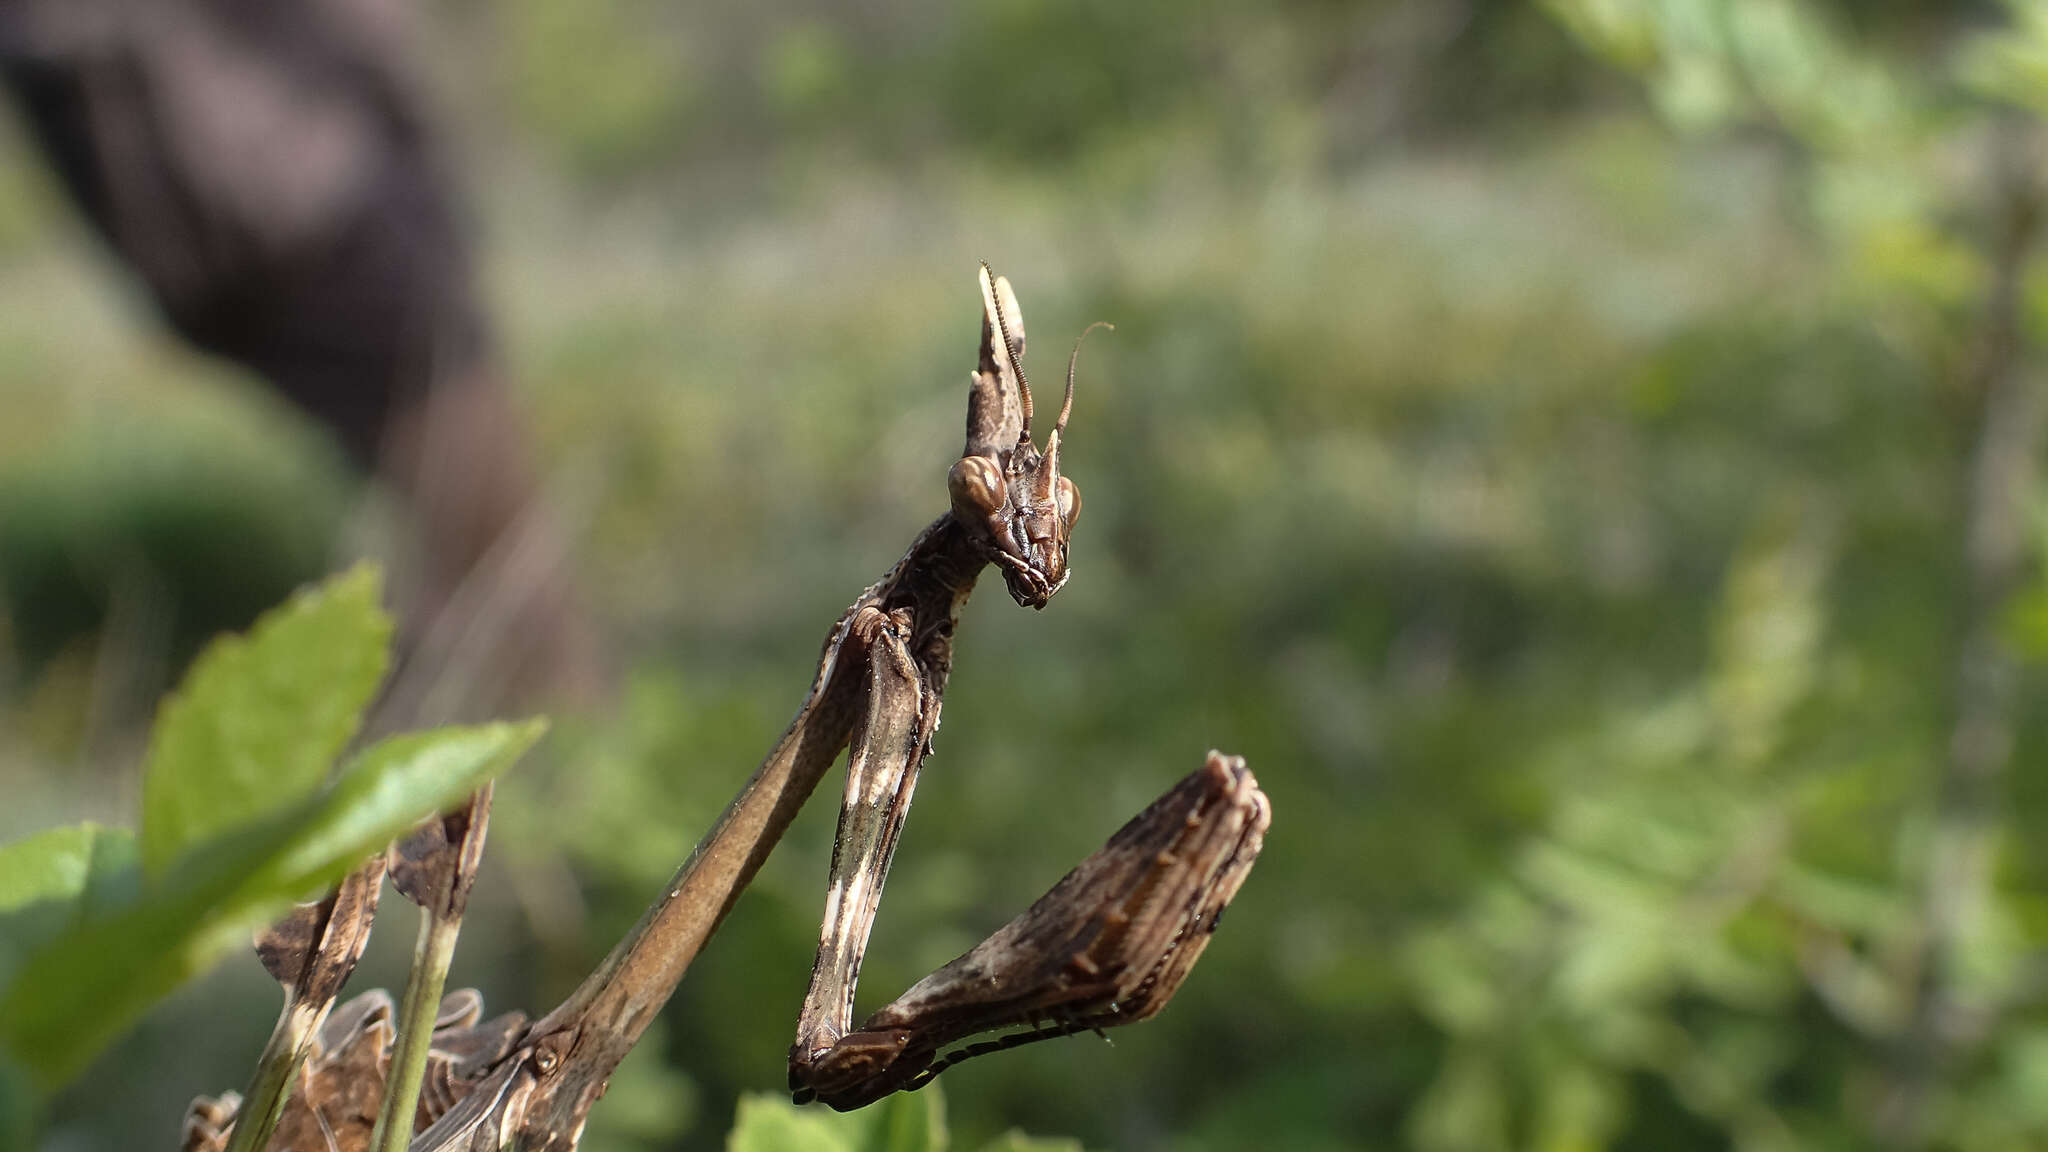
{"x":1536,"y":437}
{"x":906,"y":1122}
{"x":243,"y":813}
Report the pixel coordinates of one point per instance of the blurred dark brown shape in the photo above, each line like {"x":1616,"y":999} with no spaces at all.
{"x":272,"y":175}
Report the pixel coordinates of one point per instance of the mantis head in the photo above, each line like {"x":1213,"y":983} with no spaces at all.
{"x":1004,"y":489}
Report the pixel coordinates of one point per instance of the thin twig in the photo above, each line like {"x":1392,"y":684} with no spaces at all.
{"x":434,"y":867}
{"x":276,"y":1068}
{"x":310,"y":953}
{"x":431,"y":956}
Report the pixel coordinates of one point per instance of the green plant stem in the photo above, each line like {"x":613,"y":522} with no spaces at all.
{"x":422,"y":1006}
{"x":275,"y":1071}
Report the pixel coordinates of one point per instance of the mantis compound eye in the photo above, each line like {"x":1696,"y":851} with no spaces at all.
{"x":976,"y":487}
{"x":1069,"y":498}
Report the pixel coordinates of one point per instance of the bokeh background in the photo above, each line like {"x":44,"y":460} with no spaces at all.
{"x":1583,"y":454}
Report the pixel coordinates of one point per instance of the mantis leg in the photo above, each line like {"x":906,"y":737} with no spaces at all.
{"x":888,"y":744}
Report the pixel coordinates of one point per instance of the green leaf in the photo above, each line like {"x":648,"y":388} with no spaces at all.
{"x":768,"y":1123}
{"x":56,"y":877}
{"x":906,"y":1122}
{"x":76,"y":995}
{"x":260,"y":718}
{"x":59,"y":863}
{"x":1015,"y":1141}
{"x":392,"y":785}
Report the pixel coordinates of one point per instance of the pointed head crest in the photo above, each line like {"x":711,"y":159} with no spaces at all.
{"x":1003,"y":488}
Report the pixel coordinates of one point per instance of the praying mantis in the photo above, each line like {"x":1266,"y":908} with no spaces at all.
{"x":1108,"y":945}
{"x":1112,"y":942}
